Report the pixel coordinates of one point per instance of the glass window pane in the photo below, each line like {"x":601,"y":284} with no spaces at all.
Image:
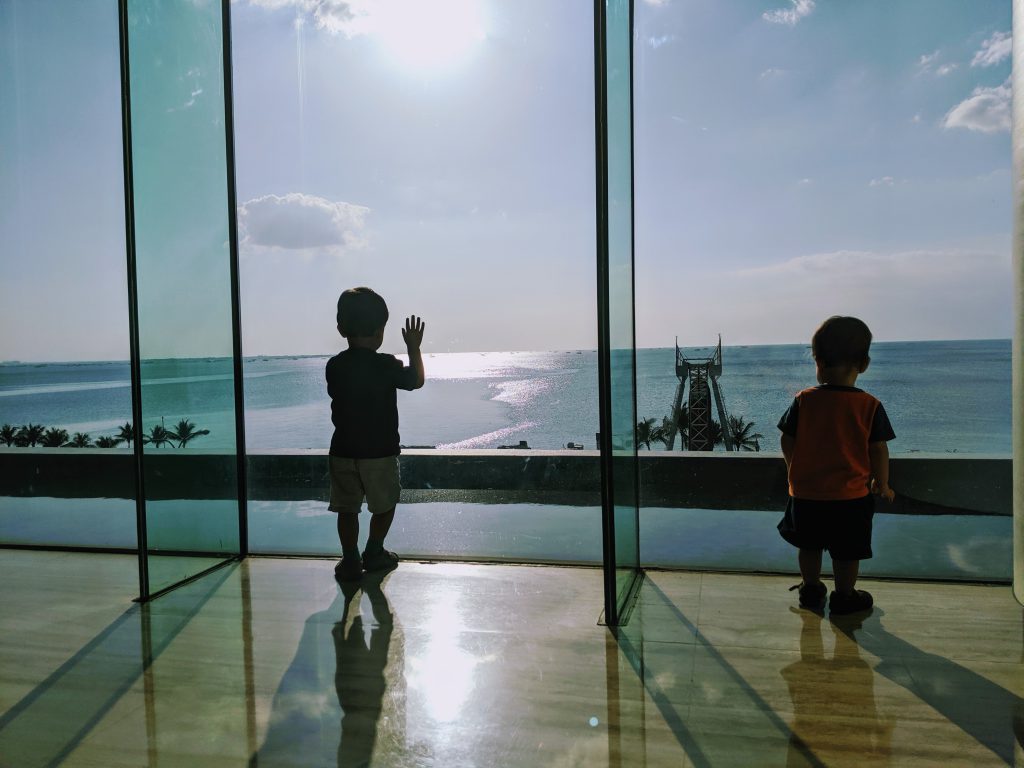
{"x":454,"y":174}
{"x":620,"y":291}
{"x":849,"y":159}
{"x":66,"y":479}
{"x":184,"y":286}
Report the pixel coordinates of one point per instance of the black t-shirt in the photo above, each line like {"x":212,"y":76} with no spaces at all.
{"x":364,"y":404}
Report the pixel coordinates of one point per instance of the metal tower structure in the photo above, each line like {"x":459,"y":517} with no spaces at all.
{"x":701,"y":373}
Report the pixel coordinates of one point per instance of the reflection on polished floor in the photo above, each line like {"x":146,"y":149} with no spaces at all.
{"x":269,"y":663}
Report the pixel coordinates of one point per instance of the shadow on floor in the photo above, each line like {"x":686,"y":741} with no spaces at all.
{"x":340,"y":646}
{"x":702,"y":746}
{"x":982,"y":709}
{"x":57,"y":715}
{"x":835,"y":714}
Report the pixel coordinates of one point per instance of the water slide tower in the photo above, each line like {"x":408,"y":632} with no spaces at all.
{"x":701,"y":375}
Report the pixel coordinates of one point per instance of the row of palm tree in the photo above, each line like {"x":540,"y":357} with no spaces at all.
{"x":648,"y":432}
{"x":36,"y":435}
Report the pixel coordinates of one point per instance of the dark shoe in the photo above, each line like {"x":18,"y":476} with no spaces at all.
{"x":855,"y":602}
{"x":812,"y":596}
{"x":349,"y":569}
{"x":382,"y":560}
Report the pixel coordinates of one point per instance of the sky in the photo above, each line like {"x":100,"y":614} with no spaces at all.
{"x":793,"y":159}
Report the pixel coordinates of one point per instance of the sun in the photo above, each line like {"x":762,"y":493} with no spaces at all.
{"x":428,"y":37}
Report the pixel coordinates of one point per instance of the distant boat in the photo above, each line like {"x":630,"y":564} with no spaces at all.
{"x":522,"y":445}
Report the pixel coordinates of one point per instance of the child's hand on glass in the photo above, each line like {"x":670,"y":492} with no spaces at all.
{"x":413,"y":332}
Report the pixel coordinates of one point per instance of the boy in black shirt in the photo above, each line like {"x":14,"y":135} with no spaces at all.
{"x":363,"y":384}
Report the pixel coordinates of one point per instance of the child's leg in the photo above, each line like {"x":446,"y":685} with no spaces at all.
{"x":846,"y":572}
{"x":380,"y":524}
{"x":810,"y":566}
{"x":348,"y":532}
{"x":382,"y":480}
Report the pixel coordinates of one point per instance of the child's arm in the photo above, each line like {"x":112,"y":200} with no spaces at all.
{"x":413,"y":335}
{"x":879,"y":454}
{"x":788,"y":444}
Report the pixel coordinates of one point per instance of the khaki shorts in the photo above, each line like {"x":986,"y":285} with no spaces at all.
{"x":376,"y":480}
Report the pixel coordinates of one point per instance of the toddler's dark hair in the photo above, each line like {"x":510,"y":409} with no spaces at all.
{"x":361,"y":311}
{"x":841,"y":341}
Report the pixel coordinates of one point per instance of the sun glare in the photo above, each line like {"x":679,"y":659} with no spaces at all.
{"x":429,"y":37}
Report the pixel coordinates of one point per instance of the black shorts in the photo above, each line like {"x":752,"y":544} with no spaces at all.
{"x":843,"y":527}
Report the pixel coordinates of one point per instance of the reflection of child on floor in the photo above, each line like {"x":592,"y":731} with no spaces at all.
{"x":834,"y":442}
{"x":835,"y":717}
{"x":363,"y":386}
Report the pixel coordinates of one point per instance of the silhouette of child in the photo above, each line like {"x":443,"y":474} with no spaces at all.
{"x":363,"y":386}
{"x":834,"y":442}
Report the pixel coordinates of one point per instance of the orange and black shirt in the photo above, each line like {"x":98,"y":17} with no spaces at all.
{"x":833,"y":426}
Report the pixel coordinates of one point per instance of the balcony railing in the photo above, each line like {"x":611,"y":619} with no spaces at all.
{"x":940,"y":484}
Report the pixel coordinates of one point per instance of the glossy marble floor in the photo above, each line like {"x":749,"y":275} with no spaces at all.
{"x":269,"y":663}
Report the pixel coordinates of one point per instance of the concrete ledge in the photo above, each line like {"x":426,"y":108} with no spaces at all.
{"x":926,"y":484}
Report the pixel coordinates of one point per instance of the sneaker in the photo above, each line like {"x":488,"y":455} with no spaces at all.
{"x":382,"y":560}
{"x":349,"y":569}
{"x":811,"y":596}
{"x":857,"y":601}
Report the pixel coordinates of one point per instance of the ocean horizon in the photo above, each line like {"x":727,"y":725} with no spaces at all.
{"x":942,"y":396}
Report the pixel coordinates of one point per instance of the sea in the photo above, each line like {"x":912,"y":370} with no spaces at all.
{"x":941,"y":396}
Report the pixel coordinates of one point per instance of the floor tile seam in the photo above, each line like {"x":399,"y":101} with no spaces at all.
{"x":700,"y":605}
{"x":648,"y":640}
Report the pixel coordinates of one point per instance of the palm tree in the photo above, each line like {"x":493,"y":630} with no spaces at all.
{"x":29,"y":435}
{"x":54,"y":438}
{"x":8,"y":434}
{"x":157,"y":436}
{"x":105,"y":441}
{"x":682,"y":417}
{"x":744,"y":436}
{"x":645,"y":433}
{"x":186,"y":431}
{"x":126,"y":434}
{"x":661,"y":433}
{"x":715,"y":431}
{"x":80,"y":440}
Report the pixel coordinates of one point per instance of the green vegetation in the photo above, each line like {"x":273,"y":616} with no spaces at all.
{"x":186,"y":431}
{"x":54,"y":438}
{"x":36,"y":435}
{"x":157,"y":436}
{"x":125,"y":434}
{"x":645,"y":433}
{"x":742,"y":432}
{"x":743,"y":435}
{"x":80,"y":440}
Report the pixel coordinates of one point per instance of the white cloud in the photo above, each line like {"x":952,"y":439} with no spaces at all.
{"x":896,"y":293}
{"x":345,"y":17}
{"x":805,"y":182}
{"x":926,"y":63}
{"x":916,"y":118}
{"x":884,"y":181}
{"x":657,"y":3}
{"x":867,"y":267}
{"x":993,"y":50}
{"x":771,"y":72}
{"x":986,"y":110}
{"x":657,"y":42}
{"x":789,"y":16}
{"x":297,"y":221}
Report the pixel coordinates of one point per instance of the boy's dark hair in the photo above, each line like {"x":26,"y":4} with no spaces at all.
{"x":361,"y":312}
{"x":841,"y":341}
